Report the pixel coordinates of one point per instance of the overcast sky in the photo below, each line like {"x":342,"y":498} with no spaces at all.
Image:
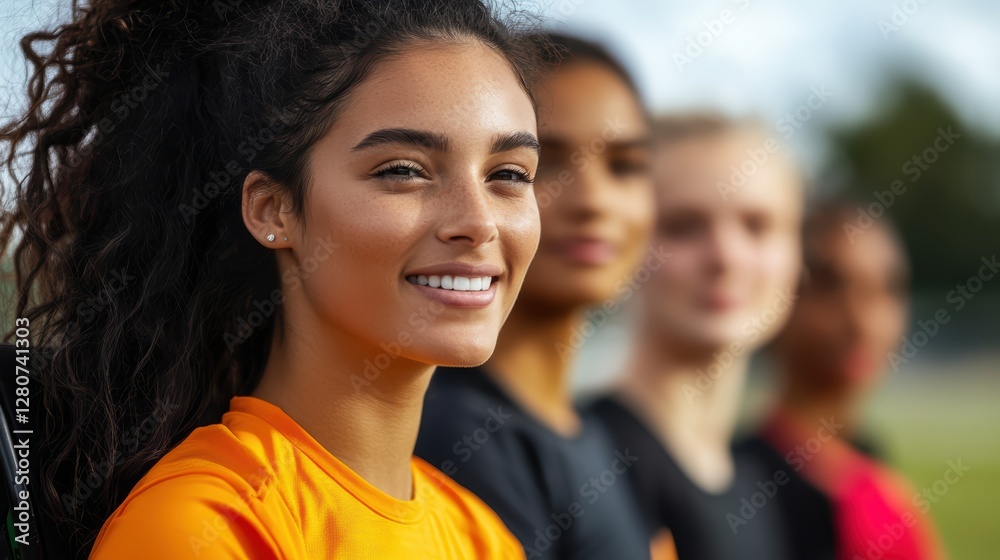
{"x":768,"y":55}
{"x":772,"y":52}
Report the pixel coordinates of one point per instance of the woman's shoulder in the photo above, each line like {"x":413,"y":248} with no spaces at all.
{"x":210,"y":493}
{"x":216,"y":451}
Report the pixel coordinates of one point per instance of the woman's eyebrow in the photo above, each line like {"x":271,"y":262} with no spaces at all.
{"x":512,"y":140}
{"x":439,"y":142}
{"x":407,"y":136}
{"x":640,"y":142}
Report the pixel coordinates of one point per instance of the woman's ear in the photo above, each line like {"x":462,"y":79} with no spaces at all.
{"x":266,"y":210}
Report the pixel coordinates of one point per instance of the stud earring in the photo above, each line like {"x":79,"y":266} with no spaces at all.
{"x":286,"y":239}
{"x":270,"y":237}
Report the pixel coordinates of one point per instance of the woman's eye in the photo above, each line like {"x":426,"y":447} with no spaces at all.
{"x":401,"y":172}
{"x":512,"y":176}
{"x":625,"y":167}
{"x":758,"y":225}
{"x":680,"y":227}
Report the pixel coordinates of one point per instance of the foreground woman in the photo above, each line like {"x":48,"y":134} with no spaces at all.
{"x":272,"y":198}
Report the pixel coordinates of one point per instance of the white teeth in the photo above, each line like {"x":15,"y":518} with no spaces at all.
{"x":457,"y":283}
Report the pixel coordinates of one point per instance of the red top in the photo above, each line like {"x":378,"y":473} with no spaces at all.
{"x":875,"y":510}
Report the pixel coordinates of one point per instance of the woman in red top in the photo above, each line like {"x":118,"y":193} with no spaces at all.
{"x":849,"y":317}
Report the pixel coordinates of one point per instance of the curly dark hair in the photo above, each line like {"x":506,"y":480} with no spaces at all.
{"x":131,"y":259}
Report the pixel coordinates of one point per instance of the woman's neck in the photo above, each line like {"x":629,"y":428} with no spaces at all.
{"x":533,"y":361}
{"x":691,"y":403}
{"x":366,"y":417}
{"x":816,"y":407}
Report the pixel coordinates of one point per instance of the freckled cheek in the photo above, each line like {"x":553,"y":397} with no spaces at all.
{"x":371,"y":240}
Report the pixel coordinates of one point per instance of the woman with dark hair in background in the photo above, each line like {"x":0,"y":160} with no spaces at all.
{"x":226,"y":217}
{"x":509,"y":431}
{"x":723,"y":292}
{"x":849,"y":318}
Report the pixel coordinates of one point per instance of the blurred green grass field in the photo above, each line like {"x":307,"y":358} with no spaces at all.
{"x":948,"y":415}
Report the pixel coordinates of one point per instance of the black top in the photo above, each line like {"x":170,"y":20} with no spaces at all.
{"x":768,"y":512}
{"x":563,"y":498}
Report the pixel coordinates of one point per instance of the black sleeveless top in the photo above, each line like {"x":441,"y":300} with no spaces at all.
{"x":563,"y":498}
{"x":768,"y":512}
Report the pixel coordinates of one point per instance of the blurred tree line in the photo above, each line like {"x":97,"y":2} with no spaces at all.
{"x":949,"y":212}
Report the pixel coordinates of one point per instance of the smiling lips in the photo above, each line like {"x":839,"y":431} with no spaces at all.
{"x":456,"y":283}
{"x":585,"y":250}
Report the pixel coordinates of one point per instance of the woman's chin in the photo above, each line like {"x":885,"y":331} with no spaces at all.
{"x":460,"y":355}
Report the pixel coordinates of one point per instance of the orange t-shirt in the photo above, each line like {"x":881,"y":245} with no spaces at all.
{"x":258,"y":486}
